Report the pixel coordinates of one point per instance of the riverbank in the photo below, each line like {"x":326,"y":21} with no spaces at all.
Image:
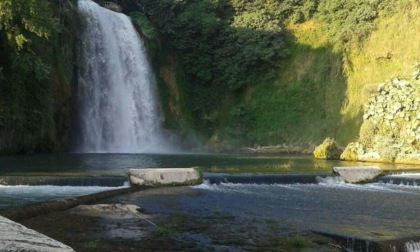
{"x":16,"y":237}
{"x":279,"y":149}
{"x":371,"y":157}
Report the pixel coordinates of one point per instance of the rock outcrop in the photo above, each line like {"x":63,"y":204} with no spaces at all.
{"x":360,"y":174}
{"x":391,"y":128}
{"x":328,"y":150}
{"x":165,"y":176}
{"x":15,"y":237}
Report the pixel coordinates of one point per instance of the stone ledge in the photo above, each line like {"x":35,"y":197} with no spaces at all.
{"x":164,"y":176}
{"x":16,"y":237}
{"x":358,"y":174}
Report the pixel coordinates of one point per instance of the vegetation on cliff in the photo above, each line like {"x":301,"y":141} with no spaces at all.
{"x":270,"y":72}
{"x":36,"y":68}
{"x":244,"y":73}
{"x":391,"y":128}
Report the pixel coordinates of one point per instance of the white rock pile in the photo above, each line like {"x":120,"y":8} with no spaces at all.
{"x":391,"y":127}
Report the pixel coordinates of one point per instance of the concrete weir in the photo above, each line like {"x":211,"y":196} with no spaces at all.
{"x":358,"y":174}
{"x":16,"y":237}
{"x":165,"y":176}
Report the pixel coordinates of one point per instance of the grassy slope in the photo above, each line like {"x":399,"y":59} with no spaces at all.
{"x":303,"y":105}
{"x":320,"y":93}
{"x":397,"y":37}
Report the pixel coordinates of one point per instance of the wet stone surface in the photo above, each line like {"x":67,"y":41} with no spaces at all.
{"x":15,"y":237}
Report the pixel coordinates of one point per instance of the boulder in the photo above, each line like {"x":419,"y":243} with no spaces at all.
{"x":370,"y":157}
{"x":328,"y":150}
{"x":358,"y":174}
{"x":350,"y":153}
{"x":408,"y":159}
{"x":15,"y":237}
{"x":165,"y":176}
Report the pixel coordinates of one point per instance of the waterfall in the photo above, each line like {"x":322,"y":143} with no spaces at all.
{"x":412,"y":246}
{"x":116,"y":94}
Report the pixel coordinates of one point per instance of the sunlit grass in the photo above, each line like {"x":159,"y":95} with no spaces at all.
{"x":390,"y":51}
{"x":343,"y":82}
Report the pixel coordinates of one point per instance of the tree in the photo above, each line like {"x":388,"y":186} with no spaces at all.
{"x":26,"y":116}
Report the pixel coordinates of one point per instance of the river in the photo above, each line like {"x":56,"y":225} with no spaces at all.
{"x":265,"y":192}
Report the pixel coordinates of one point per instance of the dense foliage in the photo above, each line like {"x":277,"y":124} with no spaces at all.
{"x":244,"y":68}
{"x":224,"y":46}
{"x":348,"y":20}
{"x":33,"y":41}
{"x":228,"y":47}
{"x":218,"y":49}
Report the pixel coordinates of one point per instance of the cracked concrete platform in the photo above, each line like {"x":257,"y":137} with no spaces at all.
{"x":16,"y":237}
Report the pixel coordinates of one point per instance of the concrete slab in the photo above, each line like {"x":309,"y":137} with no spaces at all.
{"x":358,"y":174}
{"x":165,"y":176}
{"x":16,"y":237}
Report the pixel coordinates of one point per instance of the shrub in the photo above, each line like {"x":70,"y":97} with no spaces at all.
{"x":298,"y":241}
{"x":348,"y":20}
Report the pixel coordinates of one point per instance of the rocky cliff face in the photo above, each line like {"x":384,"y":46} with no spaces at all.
{"x":391,"y":128}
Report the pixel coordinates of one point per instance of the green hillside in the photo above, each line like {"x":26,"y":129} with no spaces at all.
{"x":321,"y":90}
{"x":331,"y":56}
{"x":236,"y":73}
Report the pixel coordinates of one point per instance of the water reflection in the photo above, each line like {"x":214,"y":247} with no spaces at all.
{"x":119,"y":163}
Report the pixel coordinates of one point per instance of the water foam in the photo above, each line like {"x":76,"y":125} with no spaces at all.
{"x":412,"y":246}
{"x":23,"y":194}
{"x":405,"y":175}
{"x":329,"y":182}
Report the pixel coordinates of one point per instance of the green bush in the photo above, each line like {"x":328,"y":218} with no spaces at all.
{"x":348,"y":20}
{"x":298,"y":241}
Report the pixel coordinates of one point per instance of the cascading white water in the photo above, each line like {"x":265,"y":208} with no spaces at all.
{"x":118,"y":111}
{"x":412,"y":246}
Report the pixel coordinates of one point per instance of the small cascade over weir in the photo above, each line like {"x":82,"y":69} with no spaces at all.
{"x":117,"y":103}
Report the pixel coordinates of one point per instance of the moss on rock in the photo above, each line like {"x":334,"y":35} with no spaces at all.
{"x":328,"y":150}
{"x":350,"y":152}
{"x":391,"y":127}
